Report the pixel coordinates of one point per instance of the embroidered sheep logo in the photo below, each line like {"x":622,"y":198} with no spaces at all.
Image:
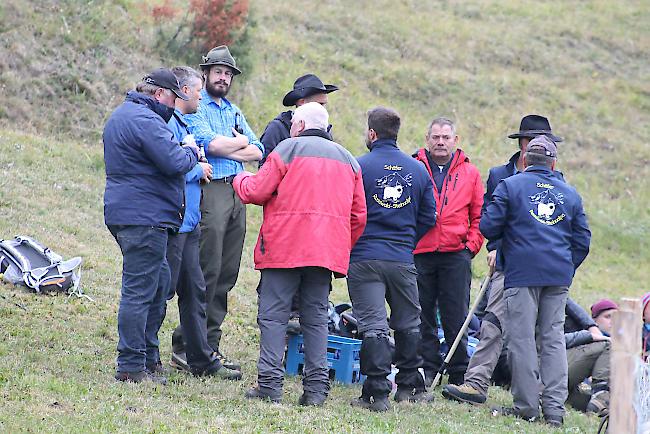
{"x":393,"y":186}
{"x":546,"y":203}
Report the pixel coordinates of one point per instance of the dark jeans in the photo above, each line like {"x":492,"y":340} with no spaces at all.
{"x":276,"y":290}
{"x":187,"y":281}
{"x":443,"y":282}
{"x":223,"y":227}
{"x":370,"y":284}
{"x":145,"y":285}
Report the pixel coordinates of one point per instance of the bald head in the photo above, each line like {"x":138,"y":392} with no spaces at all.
{"x":309,"y":116}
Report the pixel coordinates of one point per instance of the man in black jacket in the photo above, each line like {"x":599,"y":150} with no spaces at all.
{"x":308,"y":88}
{"x":143,"y":202}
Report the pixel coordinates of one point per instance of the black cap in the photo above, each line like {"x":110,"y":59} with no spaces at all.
{"x":164,"y":78}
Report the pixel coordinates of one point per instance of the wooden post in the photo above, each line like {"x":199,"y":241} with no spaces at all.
{"x":626,"y":354}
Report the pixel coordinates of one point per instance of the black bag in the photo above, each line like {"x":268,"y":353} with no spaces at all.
{"x":23,"y":261}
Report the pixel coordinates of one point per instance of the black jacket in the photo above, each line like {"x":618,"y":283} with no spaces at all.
{"x":276,"y":131}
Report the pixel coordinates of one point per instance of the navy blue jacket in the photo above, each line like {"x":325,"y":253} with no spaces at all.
{"x":400,"y":202}
{"x":276,"y":131}
{"x":145,"y":165}
{"x":542,"y":226}
{"x":495,"y":175}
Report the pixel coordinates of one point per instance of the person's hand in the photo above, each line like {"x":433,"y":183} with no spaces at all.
{"x":492,"y":259}
{"x":240,"y":139}
{"x":597,"y":335}
{"x":207,"y":171}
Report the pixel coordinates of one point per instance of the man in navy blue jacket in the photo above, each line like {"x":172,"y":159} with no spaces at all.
{"x":143,"y":202}
{"x":544,"y":239}
{"x":401,"y":209}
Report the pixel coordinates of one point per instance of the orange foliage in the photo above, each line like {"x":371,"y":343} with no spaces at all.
{"x":164,"y":12}
{"x":217,"y":21}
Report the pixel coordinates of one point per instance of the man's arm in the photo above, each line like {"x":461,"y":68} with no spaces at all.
{"x":164,"y":151}
{"x":214,"y":144}
{"x":359,"y":212}
{"x":581,"y":235}
{"x":259,"y":188}
{"x":426,"y":218}
{"x":493,"y":221}
{"x":474,"y":237}
{"x":249,"y":153}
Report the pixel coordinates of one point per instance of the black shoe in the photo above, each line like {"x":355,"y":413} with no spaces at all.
{"x":412,"y":395}
{"x":256,"y":393}
{"x":157,"y":369}
{"x":554,"y":421}
{"x":429,"y":375}
{"x":179,"y":361}
{"x":372,"y":404}
{"x":463,"y":393}
{"x":140,"y":377}
{"x":313,"y":399}
{"x":509,"y":411}
{"x":227,"y":362}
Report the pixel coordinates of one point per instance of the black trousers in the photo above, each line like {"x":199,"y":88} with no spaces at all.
{"x":191,"y":336}
{"x":444,"y":281}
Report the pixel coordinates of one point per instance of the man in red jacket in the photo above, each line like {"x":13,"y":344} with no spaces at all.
{"x":443,"y":256}
{"x":314,"y":212}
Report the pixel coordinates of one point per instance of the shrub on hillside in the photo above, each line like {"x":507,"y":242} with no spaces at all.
{"x":194,"y":27}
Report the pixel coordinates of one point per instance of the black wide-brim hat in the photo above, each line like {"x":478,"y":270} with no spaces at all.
{"x":535,"y":125}
{"x":305,"y":86}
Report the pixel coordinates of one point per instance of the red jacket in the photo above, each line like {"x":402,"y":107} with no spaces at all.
{"x":458,"y":206}
{"x":314,"y":204}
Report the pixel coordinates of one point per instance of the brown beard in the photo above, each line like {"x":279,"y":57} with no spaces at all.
{"x":214,"y":92}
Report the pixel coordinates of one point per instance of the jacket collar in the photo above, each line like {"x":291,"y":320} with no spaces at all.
{"x":383,"y":143}
{"x":316,"y":132}
{"x":179,"y":117}
{"x":207,"y":99}
{"x":160,"y":109}
{"x":539,"y":169}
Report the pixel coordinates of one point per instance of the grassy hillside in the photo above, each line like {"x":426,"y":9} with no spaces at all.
{"x":65,"y":64}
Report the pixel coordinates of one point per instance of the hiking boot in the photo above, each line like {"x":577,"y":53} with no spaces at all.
{"x":256,"y":393}
{"x":429,"y":375}
{"x":599,"y":403}
{"x":222,"y":373}
{"x":372,"y":404}
{"x":412,"y":395}
{"x":227,"y":363}
{"x":313,"y":399}
{"x":554,"y":421}
{"x":509,"y":411}
{"x":140,"y":377}
{"x":179,"y":361}
{"x":463,"y":393}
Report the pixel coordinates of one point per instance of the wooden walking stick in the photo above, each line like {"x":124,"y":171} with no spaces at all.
{"x":460,"y":334}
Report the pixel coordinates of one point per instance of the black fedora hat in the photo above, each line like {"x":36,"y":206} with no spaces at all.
{"x":305,"y":86}
{"x":534,"y":125}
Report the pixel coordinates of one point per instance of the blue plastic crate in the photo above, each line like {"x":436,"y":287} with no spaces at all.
{"x":343,"y":356}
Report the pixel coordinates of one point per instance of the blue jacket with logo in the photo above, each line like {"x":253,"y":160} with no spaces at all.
{"x":192,"y":179}
{"x":542,"y":227}
{"x":400,"y":202}
{"x":145,"y":165}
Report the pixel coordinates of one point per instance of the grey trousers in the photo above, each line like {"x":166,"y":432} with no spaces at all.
{"x":275,"y":293}
{"x":588,"y":360}
{"x":526,"y":309}
{"x":485,"y":357}
{"x":223,"y":227}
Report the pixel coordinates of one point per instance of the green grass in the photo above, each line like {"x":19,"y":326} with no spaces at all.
{"x":65,"y":65}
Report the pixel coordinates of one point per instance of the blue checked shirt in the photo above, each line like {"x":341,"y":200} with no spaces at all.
{"x":212,"y":120}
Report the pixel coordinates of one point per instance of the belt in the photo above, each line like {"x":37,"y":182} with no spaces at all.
{"x":225,"y":180}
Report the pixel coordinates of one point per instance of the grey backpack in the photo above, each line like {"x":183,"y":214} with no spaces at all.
{"x":24,"y":261}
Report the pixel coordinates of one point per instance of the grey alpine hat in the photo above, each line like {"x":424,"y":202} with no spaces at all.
{"x":220,"y":56}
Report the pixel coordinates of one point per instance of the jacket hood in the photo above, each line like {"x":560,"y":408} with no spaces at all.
{"x":160,"y":109}
{"x":285,"y":118}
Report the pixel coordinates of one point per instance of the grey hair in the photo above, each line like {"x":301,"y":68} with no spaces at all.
{"x":441,"y":121}
{"x":537,"y":159}
{"x":186,"y":75}
{"x":149,"y":89}
{"x":313,"y":114}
